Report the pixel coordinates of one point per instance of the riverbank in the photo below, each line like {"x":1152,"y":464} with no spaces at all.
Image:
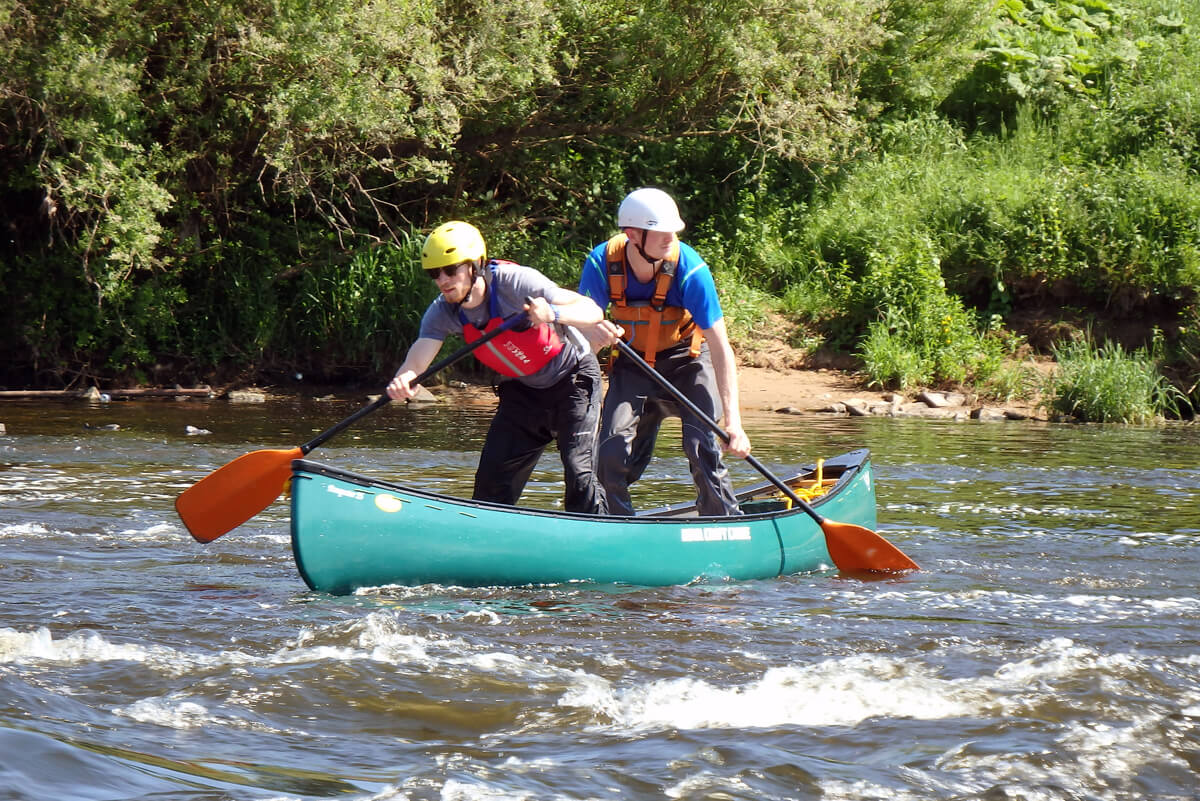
{"x":828,"y":391}
{"x":782,"y":390}
{"x":769,"y":382}
{"x":823,"y":391}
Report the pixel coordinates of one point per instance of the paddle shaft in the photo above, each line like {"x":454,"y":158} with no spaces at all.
{"x":434,"y":368}
{"x":716,"y":427}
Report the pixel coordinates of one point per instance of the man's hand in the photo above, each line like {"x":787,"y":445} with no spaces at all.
{"x":401,"y":387}
{"x":540,"y":311}
{"x":739,"y":443}
{"x":602,"y":334}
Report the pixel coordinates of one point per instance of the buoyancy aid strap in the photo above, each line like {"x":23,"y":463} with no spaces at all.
{"x":614,"y":259}
{"x":653,"y":328}
{"x":650,"y":331}
{"x":662,"y":284}
{"x":652,"y":319}
{"x":663,"y":279}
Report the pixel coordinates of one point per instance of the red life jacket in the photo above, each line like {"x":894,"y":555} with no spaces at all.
{"x":513,"y":353}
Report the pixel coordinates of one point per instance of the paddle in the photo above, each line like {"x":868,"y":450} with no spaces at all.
{"x":231,"y":495}
{"x":852,"y":547}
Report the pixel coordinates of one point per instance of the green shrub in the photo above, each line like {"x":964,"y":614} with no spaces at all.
{"x":920,"y":334}
{"x":359,"y":316}
{"x":1106,"y":384}
{"x":891,"y":360}
{"x":1009,"y":381}
{"x":747,"y":309}
{"x":1040,"y":53}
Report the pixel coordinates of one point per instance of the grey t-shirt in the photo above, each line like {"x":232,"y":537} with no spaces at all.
{"x":508,"y":286}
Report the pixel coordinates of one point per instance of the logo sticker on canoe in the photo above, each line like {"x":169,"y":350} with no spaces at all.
{"x":388,"y":503}
{"x":714,"y":534}
{"x":345,"y":493}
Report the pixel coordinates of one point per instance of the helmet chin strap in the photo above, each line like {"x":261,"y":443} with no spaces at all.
{"x":477,"y":272}
{"x":638,"y":246}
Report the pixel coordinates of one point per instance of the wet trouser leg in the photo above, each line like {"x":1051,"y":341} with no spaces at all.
{"x":515,"y":440}
{"x":629,"y":425}
{"x":696,"y":379}
{"x":635,"y":406}
{"x":526,"y":421}
{"x":576,"y":419}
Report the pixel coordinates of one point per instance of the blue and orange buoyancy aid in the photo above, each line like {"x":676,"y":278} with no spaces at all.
{"x":650,"y":326}
{"x":513,"y":353}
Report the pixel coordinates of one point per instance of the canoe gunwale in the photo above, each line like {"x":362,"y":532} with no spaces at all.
{"x":846,"y":467}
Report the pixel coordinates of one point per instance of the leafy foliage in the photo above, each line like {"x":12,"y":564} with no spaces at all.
{"x":155,"y":151}
{"x":1105,"y":384}
{"x":1040,"y":53}
{"x":920,"y":335}
{"x":193,"y":188}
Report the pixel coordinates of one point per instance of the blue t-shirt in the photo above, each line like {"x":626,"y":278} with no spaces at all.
{"x":693,"y":288}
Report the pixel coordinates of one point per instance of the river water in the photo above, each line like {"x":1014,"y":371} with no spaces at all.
{"x":1049,"y":649}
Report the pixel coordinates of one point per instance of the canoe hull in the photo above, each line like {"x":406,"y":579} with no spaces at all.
{"x":351,"y":531}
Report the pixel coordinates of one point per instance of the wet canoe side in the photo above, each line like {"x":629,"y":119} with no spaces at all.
{"x":351,"y":531}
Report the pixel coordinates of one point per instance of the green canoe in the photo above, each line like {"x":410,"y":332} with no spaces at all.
{"x":351,"y":531}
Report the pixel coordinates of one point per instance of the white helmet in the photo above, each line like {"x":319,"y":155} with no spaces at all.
{"x":649,"y":208}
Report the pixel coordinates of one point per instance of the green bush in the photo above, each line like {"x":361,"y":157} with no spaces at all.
{"x":355,"y":319}
{"x":1009,"y":380}
{"x":920,"y":334}
{"x":1041,"y":54}
{"x":1107,"y":384}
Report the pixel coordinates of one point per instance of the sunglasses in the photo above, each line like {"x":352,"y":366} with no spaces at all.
{"x":449,"y":271}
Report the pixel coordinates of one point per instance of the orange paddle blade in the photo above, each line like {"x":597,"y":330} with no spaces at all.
{"x":231,"y":495}
{"x":858,"y":548}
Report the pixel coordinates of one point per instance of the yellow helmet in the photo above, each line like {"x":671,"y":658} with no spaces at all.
{"x":452,"y":243}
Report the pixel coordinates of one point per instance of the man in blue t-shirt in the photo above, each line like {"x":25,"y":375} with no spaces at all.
{"x":662,"y":295}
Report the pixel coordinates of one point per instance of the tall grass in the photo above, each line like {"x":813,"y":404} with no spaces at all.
{"x":355,"y":317}
{"x":1106,"y":384}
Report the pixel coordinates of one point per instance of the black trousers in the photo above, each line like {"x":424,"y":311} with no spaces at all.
{"x":526,"y":421}
{"x":634,"y":408}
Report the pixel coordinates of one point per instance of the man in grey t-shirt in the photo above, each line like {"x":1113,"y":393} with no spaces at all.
{"x":551,"y":383}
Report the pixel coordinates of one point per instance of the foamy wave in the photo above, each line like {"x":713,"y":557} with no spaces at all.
{"x":153,"y":533}
{"x":179,"y":712}
{"x":383,"y":640}
{"x":1061,"y":658}
{"x":23,"y":530}
{"x":1077,"y":608}
{"x":707,"y":785}
{"x":171,"y":713}
{"x":840,"y":692}
{"x":40,"y":646}
{"x":1095,"y":757}
{"x":85,"y":647}
{"x":377,"y":637}
{"x":847,"y":691}
{"x":838,"y":790}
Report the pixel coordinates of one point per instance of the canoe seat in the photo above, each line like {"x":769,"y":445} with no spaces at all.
{"x":762,"y":505}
